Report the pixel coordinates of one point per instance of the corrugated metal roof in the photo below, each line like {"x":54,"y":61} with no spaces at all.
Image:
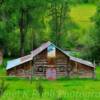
{"x":40,"y":49}
{"x":85,"y":62}
{"x":79,"y":60}
{"x":16,"y":62}
{"x":27,"y":58}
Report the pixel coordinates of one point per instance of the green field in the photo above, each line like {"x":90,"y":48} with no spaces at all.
{"x":62,"y":89}
{"x":82,"y":14}
{"x":67,"y":89}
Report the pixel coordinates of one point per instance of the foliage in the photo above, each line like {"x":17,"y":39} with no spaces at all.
{"x":19,"y":20}
{"x":25,"y":25}
{"x":70,"y":28}
{"x":92,"y":46}
{"x":61,"y":23}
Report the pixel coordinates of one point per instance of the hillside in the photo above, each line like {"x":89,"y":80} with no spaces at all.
{"x":82,"y":14}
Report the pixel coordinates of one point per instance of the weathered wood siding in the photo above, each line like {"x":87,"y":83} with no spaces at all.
{"x":61,"y":63}
{"x":82,"y":71}
{"x":23,"y":70}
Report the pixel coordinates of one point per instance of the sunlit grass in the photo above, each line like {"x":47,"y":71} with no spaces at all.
{"x":71,"y":89}
{"x":82,"y":14}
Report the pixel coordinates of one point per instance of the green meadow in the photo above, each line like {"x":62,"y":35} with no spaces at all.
{"x":61,"y":89}
{"x":82,"y":15}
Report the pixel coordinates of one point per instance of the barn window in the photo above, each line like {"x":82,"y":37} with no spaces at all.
{"x":40,"y":69}
{"x":61,"y":69}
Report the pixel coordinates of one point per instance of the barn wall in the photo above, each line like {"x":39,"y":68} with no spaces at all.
{"x":42,"y":60}
{"x":23,"y":70}
{"x":61,"y":63}
{"x":82,"y":71}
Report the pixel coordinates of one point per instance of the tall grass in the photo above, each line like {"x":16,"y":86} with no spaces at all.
{"x":3,"y":87}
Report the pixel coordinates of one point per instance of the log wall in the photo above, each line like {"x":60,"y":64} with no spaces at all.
{"x":61,"y":63}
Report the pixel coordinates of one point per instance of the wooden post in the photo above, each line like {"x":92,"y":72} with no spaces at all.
{"x":24,"y":70}
{"x":55,"y":66}
{"x":94,"y":74}
{"x":66,"y":69}
{"x":32,"y":65}
{"x":15,"y":70}
{"x":94,"y":63}
{"x":76,"y":67}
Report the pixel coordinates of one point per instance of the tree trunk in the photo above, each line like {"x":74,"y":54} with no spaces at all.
{"x":22,"y":32}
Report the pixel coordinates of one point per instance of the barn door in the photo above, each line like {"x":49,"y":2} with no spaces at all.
{"x":51,"y":73}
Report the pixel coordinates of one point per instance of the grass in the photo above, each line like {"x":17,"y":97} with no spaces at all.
{"x":82,"y":14}
{"x":62,"y":89}
{"x":67,"y":89}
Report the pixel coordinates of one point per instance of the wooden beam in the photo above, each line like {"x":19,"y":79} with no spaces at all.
{"x":76,"y":67}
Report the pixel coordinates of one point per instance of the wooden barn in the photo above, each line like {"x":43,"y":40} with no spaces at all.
{"x":50,"y":62}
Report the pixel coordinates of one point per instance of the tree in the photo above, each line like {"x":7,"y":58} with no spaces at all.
{"x":92,"y":44}
{"x":26,"y":24}
{"x":96,"y":47}
{"x":60,"y":21}
{"x":19,"y":18}
{"x":30,"y":16}
{"x":59,"y":13}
